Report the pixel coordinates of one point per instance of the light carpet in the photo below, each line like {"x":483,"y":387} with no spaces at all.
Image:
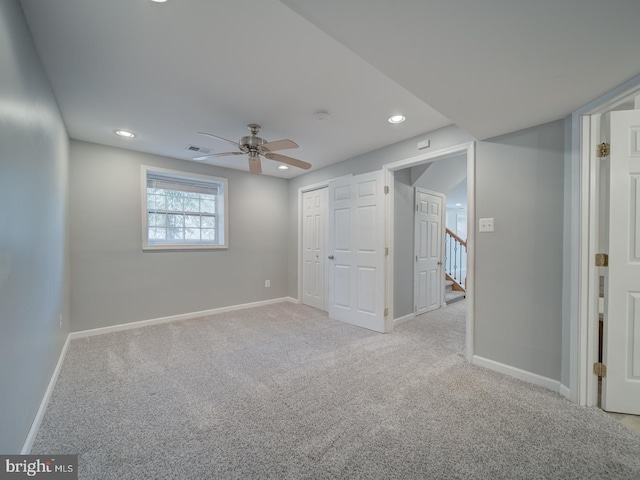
{"x":283,"y":392}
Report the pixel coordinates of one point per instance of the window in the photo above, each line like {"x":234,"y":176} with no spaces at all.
{"x":183,"y":210}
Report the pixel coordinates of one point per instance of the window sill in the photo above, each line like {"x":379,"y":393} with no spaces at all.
{"x":181,"y":247}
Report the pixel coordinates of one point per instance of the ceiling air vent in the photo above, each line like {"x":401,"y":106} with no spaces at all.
{"x":202,"y":150}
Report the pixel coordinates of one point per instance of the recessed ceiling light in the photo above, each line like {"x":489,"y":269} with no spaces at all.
{"x":396,"y":119}
{"x":321,"y":116}
{"x":159,"y":1}
{"x":125,"y":133}
{"x":283,"y":167}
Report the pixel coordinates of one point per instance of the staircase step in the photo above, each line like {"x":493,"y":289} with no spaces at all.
{"x":454,"y":296}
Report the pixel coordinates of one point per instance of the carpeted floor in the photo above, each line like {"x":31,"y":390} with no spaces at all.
{"x":284,"y":392}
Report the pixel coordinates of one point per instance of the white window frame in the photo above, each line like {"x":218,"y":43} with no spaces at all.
{"x":222,"y":211}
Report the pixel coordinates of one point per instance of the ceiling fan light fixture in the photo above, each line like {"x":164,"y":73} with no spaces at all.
{"x":283,"y":167}
{"x":125,"y":133}
{"x":396,"y":119}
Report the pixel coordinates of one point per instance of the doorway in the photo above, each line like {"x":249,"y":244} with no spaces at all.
{"x":349,"y":227}
{"x":611,"y":340}
{"x":395,"y":292}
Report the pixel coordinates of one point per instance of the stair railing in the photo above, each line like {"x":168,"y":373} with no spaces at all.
{"x":455,"y":262}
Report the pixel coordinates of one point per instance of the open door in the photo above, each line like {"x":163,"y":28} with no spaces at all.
{"x":428,"y":242}
{"x":621,"y":344}
{"x":356,"y":250}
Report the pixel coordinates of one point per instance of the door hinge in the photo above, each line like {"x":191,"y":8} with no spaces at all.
{"x":386,"y":312}
{"x":386,"y":189}
{"x":602,"y":260}
{"x":603,"y":150}
{"x":386,"y":251}
{"x":599,"y":369}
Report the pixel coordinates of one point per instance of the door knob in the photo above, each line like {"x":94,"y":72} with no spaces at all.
{"x":330,"y":257}
{"x":439,"y":263}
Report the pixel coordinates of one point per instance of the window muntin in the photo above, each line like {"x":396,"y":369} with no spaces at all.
{"x":183,"y":210}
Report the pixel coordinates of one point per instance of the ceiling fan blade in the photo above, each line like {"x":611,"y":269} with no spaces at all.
{"x":280,"y":145}
{"x":219,"y":138}
{"x":204,"y":157}
{"x":254,"y":165}
{"x":224,"y":154}
{"x":288,"y":160}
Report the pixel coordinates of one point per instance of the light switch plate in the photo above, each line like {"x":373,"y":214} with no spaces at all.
{"x":486,"y":225}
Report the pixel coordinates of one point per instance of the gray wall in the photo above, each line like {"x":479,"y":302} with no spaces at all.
{"x":519,"y":182}
{"x":33,"y":206}
{"x":113,"y":281}
{"x":444,"y":175}
{"x":518,"y":316}
{"x":403,"y":240}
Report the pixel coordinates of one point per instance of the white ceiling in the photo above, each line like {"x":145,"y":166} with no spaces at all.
{"x":447,"y":176}
{"x":491,"y":66}
{"x":167,"y":71}
{"x":458,"y":196}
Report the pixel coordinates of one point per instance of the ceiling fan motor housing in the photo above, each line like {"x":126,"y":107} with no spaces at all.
{"x":251,"y":143}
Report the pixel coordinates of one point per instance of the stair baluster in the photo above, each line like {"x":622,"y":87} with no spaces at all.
{"x":455,"y":259}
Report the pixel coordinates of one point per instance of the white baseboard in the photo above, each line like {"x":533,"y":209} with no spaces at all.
{"x":174,"y":318}
{"x":291,"y":300}
{"x":35,"y":425}
{"x":565,"y":392}
{"x":399,"y":320}
{"x":534,"y":378}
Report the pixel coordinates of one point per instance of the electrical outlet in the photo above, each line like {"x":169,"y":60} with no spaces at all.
{"x":424,"y":144}
{"x":267,"y":283}
{"x":486,"y":225}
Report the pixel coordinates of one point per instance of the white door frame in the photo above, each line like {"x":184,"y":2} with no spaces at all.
{"x":389,"y":174}
{"x":443,"y":222}
{"x":580,"y":302}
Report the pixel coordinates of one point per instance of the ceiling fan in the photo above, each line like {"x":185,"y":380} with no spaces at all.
{"x":255,"y":146}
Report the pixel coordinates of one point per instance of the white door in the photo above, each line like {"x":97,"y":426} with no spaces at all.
{"x":428,"y":241}
{"x":314,"y":255}
{"x":621,"y":355}
{"x":356,"y":250}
